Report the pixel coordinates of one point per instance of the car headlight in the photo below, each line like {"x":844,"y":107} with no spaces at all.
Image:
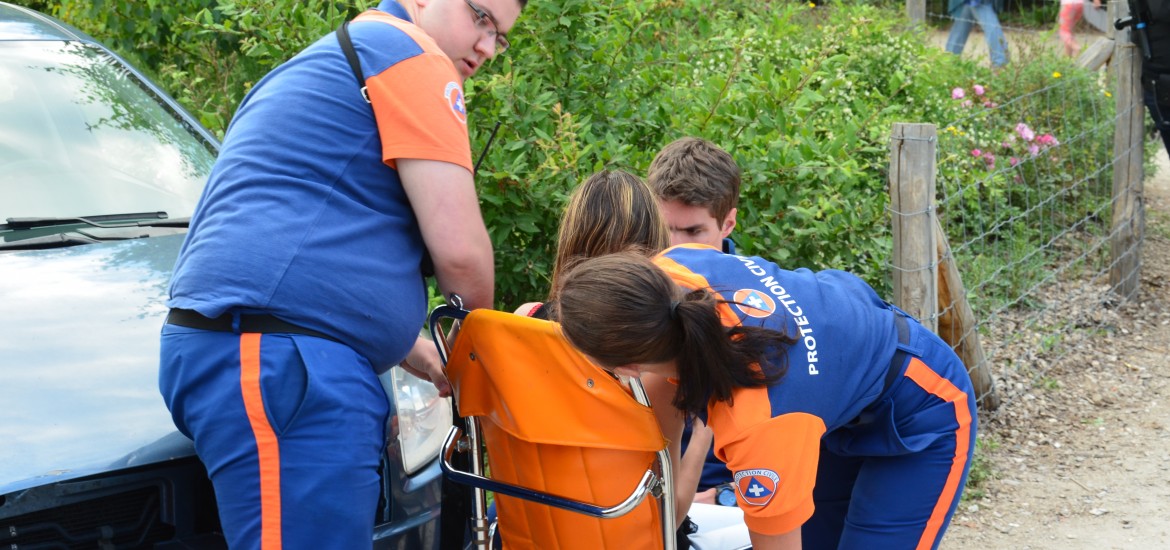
{"x":424,"y":418}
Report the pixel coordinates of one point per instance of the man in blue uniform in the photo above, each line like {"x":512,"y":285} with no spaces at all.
{"x":300,"y":280}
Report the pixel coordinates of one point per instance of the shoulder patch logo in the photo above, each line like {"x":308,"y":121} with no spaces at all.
{"x":757,"y":487}
{"x":454,"y":95}
{"x":754,"y":303}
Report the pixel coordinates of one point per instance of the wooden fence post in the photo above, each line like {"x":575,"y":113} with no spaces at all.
{"x":912,"y":190}
{"x":916,"y":13}
{"x":924,"y":273}
{"x":1128,"y":224}
{"x":957,"y":324}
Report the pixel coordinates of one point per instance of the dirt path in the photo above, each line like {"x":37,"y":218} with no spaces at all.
{"x":1082,"y":460}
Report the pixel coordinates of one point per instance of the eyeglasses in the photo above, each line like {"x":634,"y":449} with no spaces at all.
{"x":486,"y":23}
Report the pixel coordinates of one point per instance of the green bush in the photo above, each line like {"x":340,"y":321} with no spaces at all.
{"x":803,"y":97}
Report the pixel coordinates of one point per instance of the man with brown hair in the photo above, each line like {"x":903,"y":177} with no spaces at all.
{"x":697,"y":184}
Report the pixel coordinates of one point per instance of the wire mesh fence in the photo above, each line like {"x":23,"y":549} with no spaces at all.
{"x":1030,"y":197}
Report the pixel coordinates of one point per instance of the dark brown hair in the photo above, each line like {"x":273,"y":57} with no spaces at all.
{"x":621,"y":309}
{"x":696,"y":172}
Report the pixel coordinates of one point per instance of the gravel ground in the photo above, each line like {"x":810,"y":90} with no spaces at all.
{"x":1080,"y":457}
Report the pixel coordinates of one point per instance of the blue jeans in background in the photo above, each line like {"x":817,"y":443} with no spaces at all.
{"x":984,"y":14}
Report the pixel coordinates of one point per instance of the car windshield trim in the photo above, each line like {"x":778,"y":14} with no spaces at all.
{"x":142,"y":219}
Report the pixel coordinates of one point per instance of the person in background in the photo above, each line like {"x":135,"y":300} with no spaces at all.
{"x":1071,"y":12}
{"x":985,"y":12}
{"x":697,"y":184}
{"x":846,"y":423}
{"x":301,"y":278}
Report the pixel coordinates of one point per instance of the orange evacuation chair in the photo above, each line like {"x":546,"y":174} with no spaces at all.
{"x":569,"y":452}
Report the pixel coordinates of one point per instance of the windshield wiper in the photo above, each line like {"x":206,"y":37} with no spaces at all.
{"x":56,"y":240}
{"x":143,"y":220}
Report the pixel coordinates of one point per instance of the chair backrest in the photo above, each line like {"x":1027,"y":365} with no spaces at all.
{"x":555,"y":423}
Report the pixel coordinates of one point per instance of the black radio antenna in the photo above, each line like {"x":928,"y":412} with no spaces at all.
{"x":486,"y":146}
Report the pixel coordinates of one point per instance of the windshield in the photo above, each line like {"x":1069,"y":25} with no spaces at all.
{"x":81,"y":136}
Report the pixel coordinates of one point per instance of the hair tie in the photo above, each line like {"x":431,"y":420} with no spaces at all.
{"x":674,"y":309}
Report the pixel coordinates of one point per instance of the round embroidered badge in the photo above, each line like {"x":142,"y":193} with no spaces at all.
{"x":754,"y":303}
{"x":454,"y":95}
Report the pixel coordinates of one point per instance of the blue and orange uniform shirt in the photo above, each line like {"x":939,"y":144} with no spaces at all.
{"x":338,"y":248}
{"x":846,"y":338}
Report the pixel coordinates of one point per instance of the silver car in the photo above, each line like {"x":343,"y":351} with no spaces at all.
{"x":99,"y":171}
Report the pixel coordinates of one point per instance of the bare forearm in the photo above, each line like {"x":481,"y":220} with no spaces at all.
{"x":787,"y":541}
{"x":423,"y":362}
{"x":471,"y":276}
{"x":691,"y":466}
{"x":444,"y":201}
{"x":670,"y":421}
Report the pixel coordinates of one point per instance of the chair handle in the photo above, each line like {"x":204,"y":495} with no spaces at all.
{"x":440,"y":340}
{"x":645,"y":486}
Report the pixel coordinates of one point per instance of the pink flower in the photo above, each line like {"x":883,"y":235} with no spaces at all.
{"x":1013,"y":161}
{"x":1034,"y":149}
{"x":1025,"y":132}
{"x":958,"y":93}
{"x":978,"y":89}
{"x":990,"y":160}
{"x":1047,"y":140}
{"x":967,"y":103}
{"x":976,"y":152}
{"x":988,"y":104}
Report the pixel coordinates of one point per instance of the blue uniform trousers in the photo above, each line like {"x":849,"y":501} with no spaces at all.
{"x":893,"y":477}
{"x":291,"y":429}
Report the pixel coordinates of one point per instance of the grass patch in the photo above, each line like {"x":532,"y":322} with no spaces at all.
{"x":981,"y":469}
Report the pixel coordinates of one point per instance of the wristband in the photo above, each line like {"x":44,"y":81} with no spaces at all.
{"x":725,"y":495}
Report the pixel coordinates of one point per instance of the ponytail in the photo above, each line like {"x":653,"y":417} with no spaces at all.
{"x":621,"y":309}
{"x":713,"y":360}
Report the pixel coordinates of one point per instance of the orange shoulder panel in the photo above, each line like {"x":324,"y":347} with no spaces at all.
{"x":684,"y":277}
{"x":418,"y":103}
{"x":773,"y":460}
{"x":420,"y":111}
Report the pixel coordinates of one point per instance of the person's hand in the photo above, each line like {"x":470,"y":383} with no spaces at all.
{"x":423,"y":362}
{"x":706,"y":497}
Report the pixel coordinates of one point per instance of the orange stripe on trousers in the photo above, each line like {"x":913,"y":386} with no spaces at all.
{"x":267,"y":448}
{"x":943,"y":389}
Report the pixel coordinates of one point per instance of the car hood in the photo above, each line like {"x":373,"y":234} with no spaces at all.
{"x":79,"y":340}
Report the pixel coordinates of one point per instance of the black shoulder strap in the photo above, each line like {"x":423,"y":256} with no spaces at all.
{"x":351,"y":56}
